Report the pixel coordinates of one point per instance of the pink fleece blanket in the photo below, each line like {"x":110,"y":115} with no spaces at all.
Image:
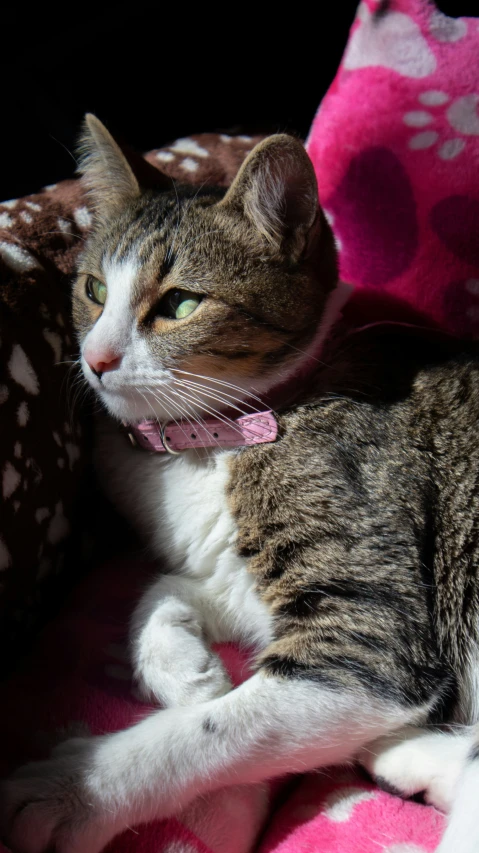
{"x":80,"y":675}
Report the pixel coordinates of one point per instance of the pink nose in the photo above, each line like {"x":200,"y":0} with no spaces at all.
{"x":102,"y":360}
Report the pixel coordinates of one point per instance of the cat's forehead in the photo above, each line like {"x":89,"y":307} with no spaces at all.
{"x":142,"y":229}
{"x":158,"y":232}
{"x":182,"y":238}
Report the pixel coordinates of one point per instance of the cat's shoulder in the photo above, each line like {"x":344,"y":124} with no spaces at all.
{"x":383,"y":375}
{"x":390,"y":362}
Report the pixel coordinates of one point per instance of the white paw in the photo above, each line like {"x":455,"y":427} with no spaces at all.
{"x":187,"y":680}
{"x":173,"y":663}
{"x":47,"y":805}
{"x":417,"y":761}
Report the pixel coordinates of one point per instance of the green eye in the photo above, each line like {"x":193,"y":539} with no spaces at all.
{"x":96,"y":290}
{"x":178,"y":304}
{"x":187,"y":306}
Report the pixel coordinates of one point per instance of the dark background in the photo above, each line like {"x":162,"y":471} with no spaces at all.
{"x":156,"y":71}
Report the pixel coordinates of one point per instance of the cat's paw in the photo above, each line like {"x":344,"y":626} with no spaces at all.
{"x":417,"y":761}
{"x":193,"y":682}
{"x":174,"y":665}
{"x":48,"y":805}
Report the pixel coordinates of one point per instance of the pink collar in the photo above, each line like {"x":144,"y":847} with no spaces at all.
{"x":257,"y":428}
{"x":176,"y":437}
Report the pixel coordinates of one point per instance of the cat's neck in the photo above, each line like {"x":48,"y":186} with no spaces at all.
{"x":292,"y":380}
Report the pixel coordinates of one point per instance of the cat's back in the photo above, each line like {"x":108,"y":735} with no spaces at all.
{"x":373,"y":490}
{"x":384,"y":400}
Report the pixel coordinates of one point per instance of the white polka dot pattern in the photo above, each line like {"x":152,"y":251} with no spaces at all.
{"x":17,"y":258}
{"x":339,"y":805}
{"x":21,"y":370}
{"x":179,"y":847}
{"x":6,"y":220}
{"x":189,"y":146}
{"x":189,"y":164}
{"x":82,"y":217}
{"x":447,"y":29}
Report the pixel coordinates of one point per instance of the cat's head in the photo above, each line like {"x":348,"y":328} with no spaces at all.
{"x":188,"y":301}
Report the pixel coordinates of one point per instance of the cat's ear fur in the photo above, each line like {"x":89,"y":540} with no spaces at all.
{"x":276,"y":191}
{"x":113,"y":176}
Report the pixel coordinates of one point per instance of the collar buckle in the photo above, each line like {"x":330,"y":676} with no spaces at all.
{"x":164,"y":441}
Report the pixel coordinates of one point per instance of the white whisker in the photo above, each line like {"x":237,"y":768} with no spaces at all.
{"x":63,"y":233}
{"x":305,"y":352}
{"x":220,"y":382}
{"x":193,"y":416}
{"x":214,"y":412}
{"x":160,"y":400}
{"x":182,"y":412}
{"x":219,"y":397}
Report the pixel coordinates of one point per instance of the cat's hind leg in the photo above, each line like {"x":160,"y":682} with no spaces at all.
{"x":173,"y":662}
{"x":462,"y":833}
{"x":419,"y":761}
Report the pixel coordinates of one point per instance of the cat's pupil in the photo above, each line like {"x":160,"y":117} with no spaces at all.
{"x":175,"y":299}
{"x":177,"y":304}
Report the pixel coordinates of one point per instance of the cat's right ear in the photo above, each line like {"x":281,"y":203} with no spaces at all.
{"x":276,"y":192}
{"x":112,"y":177}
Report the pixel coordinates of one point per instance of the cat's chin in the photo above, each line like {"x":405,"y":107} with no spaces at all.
{"x":131,"y":414}
{"x":133,"y":411}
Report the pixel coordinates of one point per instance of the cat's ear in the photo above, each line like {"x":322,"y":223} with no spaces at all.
{"x":113,"y":176}
{"x":276,"y":191}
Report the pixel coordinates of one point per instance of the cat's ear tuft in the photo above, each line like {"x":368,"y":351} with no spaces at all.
{"x":276,"y":191}
{"x":106,"y":173}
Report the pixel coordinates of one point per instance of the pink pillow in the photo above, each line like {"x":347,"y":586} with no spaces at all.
{"x":395,"y":145}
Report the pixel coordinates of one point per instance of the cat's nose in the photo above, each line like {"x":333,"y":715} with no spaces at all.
{"x":102,"y":360}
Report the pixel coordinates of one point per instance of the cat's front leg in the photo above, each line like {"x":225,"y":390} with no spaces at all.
{"x":47,"y":805}
{"x":173,"y":662}
{"x":83,"y":797}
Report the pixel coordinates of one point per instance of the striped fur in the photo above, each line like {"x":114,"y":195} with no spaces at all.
{"x":360,"y":525}
{"x":347,"y":551}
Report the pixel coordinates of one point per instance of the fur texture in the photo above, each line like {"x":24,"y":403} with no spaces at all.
{"x":345,"y":553}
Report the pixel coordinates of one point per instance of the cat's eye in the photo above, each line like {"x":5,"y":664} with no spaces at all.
{"x":96,"y":290}
{"x":178,"y":304}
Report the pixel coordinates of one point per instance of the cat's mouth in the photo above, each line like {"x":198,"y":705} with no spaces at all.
{"x":181,"y":399}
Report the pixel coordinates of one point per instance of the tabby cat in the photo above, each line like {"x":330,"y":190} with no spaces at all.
{"x":344,"y":551}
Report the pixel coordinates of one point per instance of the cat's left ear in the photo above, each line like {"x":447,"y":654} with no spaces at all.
{"x":276,"y":191}
{"x":113,"y":176}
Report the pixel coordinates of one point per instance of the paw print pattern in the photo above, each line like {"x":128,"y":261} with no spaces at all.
{"x":461,"y":115}
{"x":445,"y":29}
{"x":398,"y":168}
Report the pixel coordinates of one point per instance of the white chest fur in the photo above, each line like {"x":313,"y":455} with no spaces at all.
{"x":179,"y":504}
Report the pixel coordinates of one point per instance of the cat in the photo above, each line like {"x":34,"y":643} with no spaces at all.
{"x":344,"y":551}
